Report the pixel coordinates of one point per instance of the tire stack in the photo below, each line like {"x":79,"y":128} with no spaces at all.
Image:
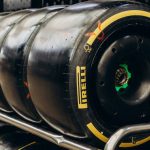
{"x":83,"y":69}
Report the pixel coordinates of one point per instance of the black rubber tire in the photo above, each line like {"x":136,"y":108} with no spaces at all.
{"x":104,"y":123}
{"x":12,"y":65}
{"x":7,"y":23}
{"x":54,"y":63}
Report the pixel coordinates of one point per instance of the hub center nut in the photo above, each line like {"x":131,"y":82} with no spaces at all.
{"x":122,"y":77}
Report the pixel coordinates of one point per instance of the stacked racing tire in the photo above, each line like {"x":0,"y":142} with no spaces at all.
{"x":83,"y":69}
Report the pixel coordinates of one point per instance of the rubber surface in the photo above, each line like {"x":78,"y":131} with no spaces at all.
{"x":14,"y":87}
{"x":7,"y":23}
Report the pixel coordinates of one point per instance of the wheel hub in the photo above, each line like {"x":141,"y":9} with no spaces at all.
{"x":122,"y":77}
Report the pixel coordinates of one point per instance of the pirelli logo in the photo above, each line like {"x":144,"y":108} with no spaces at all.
{"x":81,"y":87}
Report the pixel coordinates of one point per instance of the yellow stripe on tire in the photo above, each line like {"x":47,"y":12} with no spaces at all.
{"x":114,"y":18}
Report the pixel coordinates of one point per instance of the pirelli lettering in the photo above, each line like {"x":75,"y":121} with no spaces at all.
{"x":81,"y":87}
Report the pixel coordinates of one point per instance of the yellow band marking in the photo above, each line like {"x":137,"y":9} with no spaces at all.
{"x":98,"y":134}
{"x":114,"y":18}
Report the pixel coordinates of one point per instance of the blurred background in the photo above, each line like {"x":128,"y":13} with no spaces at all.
{"x":7,"y":5}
